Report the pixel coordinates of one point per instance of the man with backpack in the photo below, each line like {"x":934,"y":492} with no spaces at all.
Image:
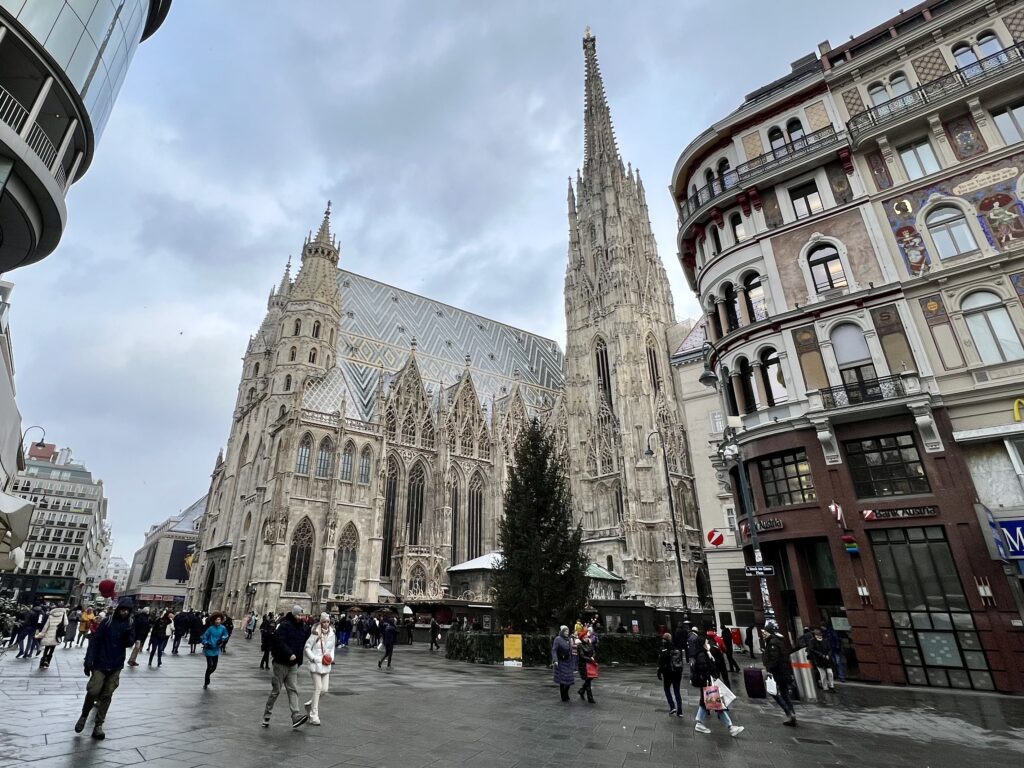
{"x":670,"y":672}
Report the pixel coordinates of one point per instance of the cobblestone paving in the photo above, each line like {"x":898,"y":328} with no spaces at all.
{"x":432,"y":712}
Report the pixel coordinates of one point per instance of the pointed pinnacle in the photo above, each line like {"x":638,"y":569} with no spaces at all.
{"x":323,"y":236}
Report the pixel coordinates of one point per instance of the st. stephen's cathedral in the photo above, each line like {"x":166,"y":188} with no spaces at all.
{"x":374,"y":428}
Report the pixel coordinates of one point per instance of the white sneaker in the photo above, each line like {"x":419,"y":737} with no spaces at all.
{"x":314,"y":720}
{"x":672,"y":711}
{"x":701,"y":728}
{"x":735,"y":730}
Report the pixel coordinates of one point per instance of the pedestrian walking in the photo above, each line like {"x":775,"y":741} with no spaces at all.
{"x":71,"y":631}
{"x":163,"y":628}
{"x":51,"y":633}
{"x":729,"y":649}
{"x":85,"y":624}
{"x":181,"y":622}
{"x":344,"y":629}
{"x":435,"y":634}
{"x":702,"y":676}
{"x":229,"y":625}
{"x":267,"y":628}
{"x":561,"y":660}
{"x":670,"y":671}
{"x":142,"y":625}
{"x":195,"y":631}
{"x":389,"y":636}
{"x":287,"y":652}
{"x":821,"y":657}
{"x":750,"y":642}
{"x":250,"y":625}
{"x":586,"y":662}
{"x":104,"y":661}
{"x":694,"y":642}
{"x":319,"y":652}
{"x":835,"y":645}
{"x":775,"y":655}
{"x":25,"y":631}
{"x":213,"y":642}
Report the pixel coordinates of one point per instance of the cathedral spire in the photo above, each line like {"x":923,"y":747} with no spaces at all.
{"x":598,"y":134}
{"x":286,"y":279}
{"x":324,"y":237}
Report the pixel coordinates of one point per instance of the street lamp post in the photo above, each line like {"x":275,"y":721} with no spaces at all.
{"x":730,"y":448}
{"x":672,"y":513}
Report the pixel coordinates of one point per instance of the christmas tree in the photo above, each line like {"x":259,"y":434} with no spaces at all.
{"x":542,"y":576}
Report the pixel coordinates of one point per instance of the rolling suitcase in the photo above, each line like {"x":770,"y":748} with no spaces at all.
{"x":753,"y":682}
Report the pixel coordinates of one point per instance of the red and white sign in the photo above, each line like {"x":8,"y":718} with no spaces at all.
{"x":716,"y":538}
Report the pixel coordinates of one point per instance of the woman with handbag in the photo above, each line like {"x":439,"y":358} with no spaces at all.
{"x":319,"y":652}
{"x":586,"y":661}
{"x":561,"y":660}
{"x":51,"y":633}
{"x":703,"y":676}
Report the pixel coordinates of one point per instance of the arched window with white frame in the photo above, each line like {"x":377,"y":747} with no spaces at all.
{"x":856,"y":367}
{"x":826,"y":269}
{"x":898,"y":84}
{"x":795,"y":130}
{"x":772,"y":377}
{"x":347,"y":457}
{"x":878,"y":94}
{"x":302,"y":458}
{"x":365,"y":459}
{"x":991,"y":328}
{"x":325,"y":458}
{"x":950,"y":231}
{"x":739,"y":230}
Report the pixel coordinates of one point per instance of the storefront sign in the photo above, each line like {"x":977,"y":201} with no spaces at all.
{"x":1013,"y":535}
{"x":871,"y":515}
{"x":763,"y":524}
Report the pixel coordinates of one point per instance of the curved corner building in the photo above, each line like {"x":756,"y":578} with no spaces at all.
{"x":855,"y":234}
{"x":62,"y":63}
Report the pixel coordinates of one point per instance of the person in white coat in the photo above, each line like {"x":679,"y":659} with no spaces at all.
{"x":319,"y":652}
{"x":56,"y":623}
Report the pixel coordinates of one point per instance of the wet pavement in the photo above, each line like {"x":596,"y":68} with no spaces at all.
{"x":432,"y":712}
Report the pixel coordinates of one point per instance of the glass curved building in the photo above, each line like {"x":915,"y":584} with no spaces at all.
{"x":62,"y":63}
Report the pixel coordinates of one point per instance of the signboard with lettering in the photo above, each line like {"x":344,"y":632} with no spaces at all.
{"x":513,"y":650}
{"x":763,"y":524}
{"x":759,"y":570}
{"x":872,"y":515}
{"x":1013,"y":535}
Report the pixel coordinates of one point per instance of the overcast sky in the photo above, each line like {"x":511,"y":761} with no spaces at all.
{"x":444,"y":133}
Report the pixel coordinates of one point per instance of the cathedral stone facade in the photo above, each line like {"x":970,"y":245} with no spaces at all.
{"x":374,"y":429}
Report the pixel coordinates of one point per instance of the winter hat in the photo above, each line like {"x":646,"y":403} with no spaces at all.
{"x":296,"y":610}
{"x":125,"y":602}
{"x":325,"y":617}
{"x":771,"y":625}
{"x":146,"y":609}
{"x":667,"y":636}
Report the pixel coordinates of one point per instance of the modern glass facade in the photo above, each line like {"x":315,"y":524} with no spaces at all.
{"x":93,"y":41}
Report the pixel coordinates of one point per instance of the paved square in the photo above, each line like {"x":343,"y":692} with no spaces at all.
{"x":432,"y":712}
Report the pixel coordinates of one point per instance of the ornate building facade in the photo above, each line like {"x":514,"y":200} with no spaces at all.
{"x":374,"y":429}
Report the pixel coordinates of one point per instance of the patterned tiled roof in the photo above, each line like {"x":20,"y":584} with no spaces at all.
{"x":693,"y":343}
{"x":379,"y":323}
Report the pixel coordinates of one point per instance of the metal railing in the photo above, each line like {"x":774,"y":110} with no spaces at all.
{"x":760,"y":165}
{"x":960,"y":79}
{"x":14,"y":114}
{"x":866,"y":391}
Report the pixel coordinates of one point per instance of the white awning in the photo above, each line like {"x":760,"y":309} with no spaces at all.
{"x":487,"y":562}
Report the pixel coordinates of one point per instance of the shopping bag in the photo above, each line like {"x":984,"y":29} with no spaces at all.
{"x":592,"y":669}
{"x":380,"y":646}
{"x":728,"y":697}
{"x":713,"y":698}
{"x":771,"y":686}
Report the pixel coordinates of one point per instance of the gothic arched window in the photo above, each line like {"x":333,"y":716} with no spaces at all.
{"x":364,"y":465}
{"x":652,"y":363}
{"x":454,"y":502}
{"x":466,"y":449}
{"x":292,"y":354}
{"x":414,"y":503}
{"x":302,"y":459}
{"x":475,"y":518}
{"x":345,"y":569}
{"x":312,"y":355}
{"x":409,"y":429}
{"x":604,"y":373}
{"x":347,"y":457}
{"x":418,"y":580}
{"x":390,"y":425}
{"x":298,"y":328}
{"x":316,"y":329}
{"x":300,"y":556}
{"x":281,"y":412}
{"x":427,"y":433}
{"x":256,"y":370}
{"x":390,"y":502}
{"x":288,"y":383}
{"x":484,"y":444}
{"x":325,"y":458}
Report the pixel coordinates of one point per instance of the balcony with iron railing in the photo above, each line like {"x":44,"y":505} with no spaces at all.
{"x":734,"y":181}
{"x":932,"y":95}
{"x":860,"y":392}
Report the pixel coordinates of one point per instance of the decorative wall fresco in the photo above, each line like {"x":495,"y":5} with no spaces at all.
{"x":879,"y":171}
{"x":991,"y":190}
{"x":965,"y":138}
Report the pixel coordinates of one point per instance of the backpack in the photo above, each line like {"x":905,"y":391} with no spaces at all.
{"x":676,"y":660}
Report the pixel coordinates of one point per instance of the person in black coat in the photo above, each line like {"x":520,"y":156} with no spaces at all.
{"x":435,"y":635}
{"x":750,"y":641}
{"x":703,"y":671}
{"x":286,"y":650}
{"x":390,"y":635}
{"x":267,"y":628}
{"x":104,"y":661}
{"x":729,"y":647}
{"x":141,"y":623}
{"x":195,"y":630}
{"x":670,"y":672}
{"x":584,"y":655}
{"x":181,"y":622}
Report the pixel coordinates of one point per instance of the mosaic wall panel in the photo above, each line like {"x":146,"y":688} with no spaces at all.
{"x":839,"y":182}
{"x":993,"y":190}
{"x":752,"y":146}
{"x":965,"y":138}
{"x":854,"y":103}
{"x":930,"y":66}
{"x":1015,"y":23}
{"x":879,"y":170}
{"x":817,"y":116}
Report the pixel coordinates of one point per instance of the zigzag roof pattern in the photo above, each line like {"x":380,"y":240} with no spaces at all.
{"x":378,"y":325}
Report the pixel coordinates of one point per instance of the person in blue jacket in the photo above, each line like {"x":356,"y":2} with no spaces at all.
{"x":213,"y":639}
{"x":104,"y":661}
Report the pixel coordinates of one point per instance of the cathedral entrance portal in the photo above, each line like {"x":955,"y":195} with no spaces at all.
{"x":208,"y":590}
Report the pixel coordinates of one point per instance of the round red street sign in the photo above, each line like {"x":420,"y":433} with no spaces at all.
{"x":716,"y":538}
